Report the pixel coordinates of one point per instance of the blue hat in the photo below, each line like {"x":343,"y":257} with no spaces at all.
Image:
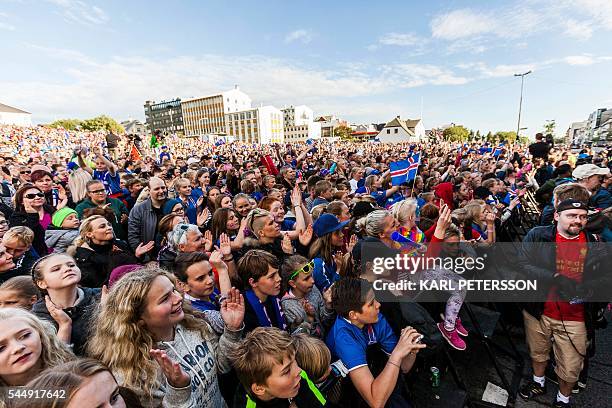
{"x":169,"y":205}
{"x":326,"y":224}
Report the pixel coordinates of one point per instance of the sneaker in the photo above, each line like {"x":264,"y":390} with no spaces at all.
{"x":452,"y":337}
{"x":460,"y":329}
{"x":458,"y":326}
{"x":561,"y":404}
{"x":578,"y":387}
{"x":532,"y":389}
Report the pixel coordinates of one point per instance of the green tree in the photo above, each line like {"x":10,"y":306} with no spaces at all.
{"x":478,"y":136}
{"x":507,"y":136}
{"x":343,"y":132}
{"x":103,"y":122}
{"x":524,"y":140}
{"x":549,"y":127}
{"x":456,"y":134}
{"x":490,"y":137}
{"x":68,"y":124}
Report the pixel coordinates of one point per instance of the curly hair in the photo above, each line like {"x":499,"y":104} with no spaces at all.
{"x":119,"y":323}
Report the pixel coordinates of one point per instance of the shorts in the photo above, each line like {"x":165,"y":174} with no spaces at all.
{"x":568,"y":359}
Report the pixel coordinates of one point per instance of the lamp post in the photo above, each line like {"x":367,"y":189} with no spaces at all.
{"x":518,"y":126}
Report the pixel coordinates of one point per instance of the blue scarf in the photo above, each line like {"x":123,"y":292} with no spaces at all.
{"x":258,"y":307}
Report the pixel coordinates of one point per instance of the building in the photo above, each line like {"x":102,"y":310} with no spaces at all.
{"x":207,"y":115}
{"x":165,"y":116}
{"x":14,"y":116}
{"x":576,"y":133}
{"x":299,"y":124}
{"x":399,"y":130}
{"x":328,"y":124}
{"x":261,"y":125}
{"x":134,"y":127}
{"x":367,"y":131}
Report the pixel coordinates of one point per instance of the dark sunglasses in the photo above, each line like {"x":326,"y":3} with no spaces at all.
{"x":25,"y":172}
{"x":306,"y":270}
{"x":97,"y":191}
{"x":34,"y":195}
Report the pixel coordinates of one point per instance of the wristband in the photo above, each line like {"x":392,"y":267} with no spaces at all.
{"x":393,"y":364}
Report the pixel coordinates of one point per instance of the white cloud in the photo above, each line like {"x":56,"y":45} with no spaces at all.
{"x":400,"y":39}
{"x":501,"y":70}
{"x":579,"y":60}
{"x":599,"y":10}
{"x":77,"y":11}
{"x":582,"y":30}
{"x":461,"y":24}
{"x":5,"y":26}
{"x":302,"y":35}
{"x":119,"y":86}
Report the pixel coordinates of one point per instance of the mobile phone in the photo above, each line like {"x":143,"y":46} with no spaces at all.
{"x":418,"y":340}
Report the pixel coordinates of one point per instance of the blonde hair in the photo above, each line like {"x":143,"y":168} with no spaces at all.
{"x":253,"y":220}
{"x":474,"y":210}
{"x":372,"y":224}
{"x":77,"y":183}
{"x":84,"y":229}
{"x":405,"y":210}
{"x":312,"y":356}
{"x":53,"y":352}
{"x":121,"y":341}
{"x":254,"y":358}
{"x":22,"y":234}
{"x":179,"y":182}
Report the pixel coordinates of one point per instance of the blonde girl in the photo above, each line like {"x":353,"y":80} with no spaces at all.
{"x":151,"y":329}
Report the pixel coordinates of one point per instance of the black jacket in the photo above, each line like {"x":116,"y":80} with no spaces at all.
{"x":97,"y":263}
{"x":539,"y":149}
{"x":31,"y":221}
{"x":537,"y":259}
{"x":82,"y":316}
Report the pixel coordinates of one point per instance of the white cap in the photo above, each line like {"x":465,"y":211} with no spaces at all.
{"x":587,"y":170}
{"x":192,"y":160}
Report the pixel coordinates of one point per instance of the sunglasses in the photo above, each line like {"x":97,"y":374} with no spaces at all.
{"x":258,"y":212}
{"x":179,"y":211}
{"x":97,"y":191}
{"x":34,"y":195}
{"x":306,"y":270}
{"x":25,"y":172}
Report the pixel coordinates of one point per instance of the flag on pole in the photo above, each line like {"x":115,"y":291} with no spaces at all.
{"x":398,"y":170}
{"x":413,"y":168}
{"x":135,"y":154}
{"x":497,"y":151}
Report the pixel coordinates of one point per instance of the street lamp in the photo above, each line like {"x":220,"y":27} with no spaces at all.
{"x":518,"y":126}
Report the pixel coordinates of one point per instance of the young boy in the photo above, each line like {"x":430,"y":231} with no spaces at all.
{"x":359,"y":325}
{"x":265,"y":364}
{"x":258,"y":271}
{"x":194,"y":271}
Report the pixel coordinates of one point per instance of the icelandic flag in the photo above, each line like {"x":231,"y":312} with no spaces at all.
{"x":497,"y":151}
{"x":399,"y":170}
{"x":220,"y":142}
{"x":415,"y":162}
{"x":485,"y":148}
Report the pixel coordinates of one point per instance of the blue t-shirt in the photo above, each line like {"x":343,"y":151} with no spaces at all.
{"x":112,"y":184}
{"x":324,"y":275}
{"x":349,"y":343}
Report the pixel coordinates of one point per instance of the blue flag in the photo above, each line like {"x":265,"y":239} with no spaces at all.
{"x":497,"y":151}
{"x":399,"y":171}
{"x":413,"y":168}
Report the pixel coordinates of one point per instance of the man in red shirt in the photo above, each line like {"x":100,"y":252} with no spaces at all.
{"x":558,"y":318}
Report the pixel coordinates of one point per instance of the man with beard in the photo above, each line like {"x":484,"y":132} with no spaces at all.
{"x":145,"y":216}
{"x":564,"y":262}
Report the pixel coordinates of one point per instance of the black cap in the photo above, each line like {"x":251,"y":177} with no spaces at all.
{"x":363,"y":208}
{"x":571,"y":204}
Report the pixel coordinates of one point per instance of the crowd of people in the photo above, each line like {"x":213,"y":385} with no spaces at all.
{"x":203,"y":275}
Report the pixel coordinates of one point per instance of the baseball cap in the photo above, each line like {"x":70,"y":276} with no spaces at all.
{"x":327,"y":223}
{"x":587,"y":170}
{"x":192,"y":160}
{"x":363,"y":208}
{"x":571,"y":204}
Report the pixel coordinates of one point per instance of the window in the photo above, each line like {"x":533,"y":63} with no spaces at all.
{"x":388,"y":131}
{"x":395,"y":131}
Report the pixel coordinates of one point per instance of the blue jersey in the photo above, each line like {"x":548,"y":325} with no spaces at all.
{"x":112,"y":184}
{"x":324,"y":275}
{"x":349,"y":343}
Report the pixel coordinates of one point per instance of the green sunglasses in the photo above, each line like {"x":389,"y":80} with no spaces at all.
{"x":306,"y":270}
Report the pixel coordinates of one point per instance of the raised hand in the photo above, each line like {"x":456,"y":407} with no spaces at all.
{"x":225,"y":245}
{"x":203,"y":216}
{"x":444,"y":220}
{"x":216,"y":260}
{"x":144,"y":248}
{"x":286,"y":244}
{"x":305,"y":236}
{"x":296,"y":197}
{"x":208,"y":241}
{"x":352,"y":243}
{"x":174,"y":373}
{"x":232,"y":310}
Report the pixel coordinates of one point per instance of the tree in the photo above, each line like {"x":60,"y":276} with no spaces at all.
{"x":456,"y":134}
{"x":490,"y":137}
{"x":507,"y":136}
{"x":103,"y":122}
{"x":343,"y":132}
{"x":478,"y":137}
{"x":68,"y":124}
{"x":549,"y":127}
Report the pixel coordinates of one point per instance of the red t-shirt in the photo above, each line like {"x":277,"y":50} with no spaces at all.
{"x":571,"y":254}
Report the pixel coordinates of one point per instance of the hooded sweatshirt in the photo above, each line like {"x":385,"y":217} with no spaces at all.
{"x":295,"y":314}
{"x":444,"y":191}
{"x":202,"y":358}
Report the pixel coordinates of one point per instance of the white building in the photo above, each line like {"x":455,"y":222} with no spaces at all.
{"x":14,"y":116}
{"x":399,"y":130}
{"x":258,"y":125}
{"x":299,"y":124}
{"x":576,"y":133}
{"x":134,"y":127}
{"x":207,"y":115}
{"x":328,"y":124}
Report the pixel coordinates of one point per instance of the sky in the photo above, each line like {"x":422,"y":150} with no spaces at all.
{"x":363,"y":61}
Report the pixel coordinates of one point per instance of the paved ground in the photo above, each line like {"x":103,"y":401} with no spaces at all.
{"x":476,"y":370}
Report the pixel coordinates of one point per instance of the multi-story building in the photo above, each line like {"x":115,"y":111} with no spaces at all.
{"x":258,"y":125}
{"x":165,"y":116}
{"x":207,"y":115}
{"x":576,"y":133}
{"x":299,"y":124}
{"x":399,"y":130}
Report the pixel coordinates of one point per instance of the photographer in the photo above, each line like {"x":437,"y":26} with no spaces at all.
{"x":569,"y":269}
